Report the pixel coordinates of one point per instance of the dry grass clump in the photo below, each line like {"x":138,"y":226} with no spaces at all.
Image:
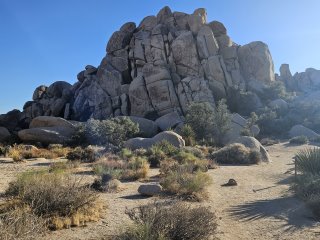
{"x":133,"y":168}
{"x":18,"y":222}
{"x":236,"y":153}
{"x":87,"y":154}
{"x":59,"y":198}
{"x":20,"y":152}
{"x":166,"y":221}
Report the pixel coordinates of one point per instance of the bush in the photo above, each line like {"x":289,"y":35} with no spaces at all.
{"x":236,"y":153}
{"x":161,"y":221}
{"x":114,"y":131}
{"x":188,"y":135}
{"x":308,"y":161}
{"x":20,"y":223}
{"x":131,"y":169}
{"x":200,"y":117}
{"x":160,"y":151}
{"x":208,"y":123}
{"x":183,"y":181}
{"x":57,"y":197}
{"x":299,"y":140}
{"x":88,"y":154}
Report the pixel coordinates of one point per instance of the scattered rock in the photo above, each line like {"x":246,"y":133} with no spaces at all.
{"x":150,"y":189}
{"x":230,"y":183}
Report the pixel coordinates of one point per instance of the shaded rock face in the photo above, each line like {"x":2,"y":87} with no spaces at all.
{"x":156,"y":68}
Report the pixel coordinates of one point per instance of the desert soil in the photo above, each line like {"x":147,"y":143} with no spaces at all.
{"x":260,"y":207}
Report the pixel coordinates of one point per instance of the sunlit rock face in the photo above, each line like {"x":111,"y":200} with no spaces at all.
{"x":157,"y":67}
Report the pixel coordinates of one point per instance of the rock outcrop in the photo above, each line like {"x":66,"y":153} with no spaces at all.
{"x":155,"y":69}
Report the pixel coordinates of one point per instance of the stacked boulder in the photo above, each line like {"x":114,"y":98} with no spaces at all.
{"x":154,"y":70}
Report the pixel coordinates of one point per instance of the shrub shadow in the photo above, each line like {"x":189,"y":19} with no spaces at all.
{"x":290,"y":209}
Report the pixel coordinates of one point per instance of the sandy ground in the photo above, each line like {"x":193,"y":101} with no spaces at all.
{"x":260,"y":207}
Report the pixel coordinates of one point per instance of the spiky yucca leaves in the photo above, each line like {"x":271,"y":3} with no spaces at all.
{"x":308,"y":161}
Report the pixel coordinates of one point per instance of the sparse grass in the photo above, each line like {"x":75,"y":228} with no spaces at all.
{"x":58,"y":198}
{"x":236,"y":154}
{"x":299,"y":140}
{"x":133,"y":168}
{"x":165,"y":221}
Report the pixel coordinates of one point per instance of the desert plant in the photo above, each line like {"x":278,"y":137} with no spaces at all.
{"x":183,"y":180}
{"x":221,"y":122}
{"x":20,"y":223}
{"x":299,"y":140}
{"x":236,"y":153}
{"x":164,"y":221}
{"x":159,"y":152}
{"x":200,"y":116}
{"x":251,"y":121}
{"x":61,"y":199}
{"x":188,"y":135}
{"x":87,"y":154}
{"x":308,"y":161}
{"x":131,"y":169}
{"x":114,"y":131}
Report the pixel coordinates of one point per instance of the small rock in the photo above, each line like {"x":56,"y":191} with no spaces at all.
{"x":231,"y":182}
{"x":150,"y":189}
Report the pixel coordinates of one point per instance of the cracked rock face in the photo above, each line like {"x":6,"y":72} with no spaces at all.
{"x":155,"y":68}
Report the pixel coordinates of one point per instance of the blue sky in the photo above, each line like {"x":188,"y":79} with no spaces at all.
{"x":43,"y":41}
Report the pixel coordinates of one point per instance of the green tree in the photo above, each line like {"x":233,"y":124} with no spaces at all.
{"x":221,"y":121}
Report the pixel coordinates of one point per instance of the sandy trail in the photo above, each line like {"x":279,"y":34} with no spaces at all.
{"x":260,"y":207}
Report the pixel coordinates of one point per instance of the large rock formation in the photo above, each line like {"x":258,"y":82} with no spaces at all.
{"x":156,"y":68}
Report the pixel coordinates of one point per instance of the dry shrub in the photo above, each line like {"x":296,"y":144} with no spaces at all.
{"x":61,"y":167}
{"x":183,"y":181}
{"x":57,"y":197}
{"x":164,"y":221}
{"x":131,"y":169}
{"x":299,"y":140}
{"x":88,"y":154}
{"x":18,"y":222}
{"x":236,"y":153}
{"x":20,"y":152}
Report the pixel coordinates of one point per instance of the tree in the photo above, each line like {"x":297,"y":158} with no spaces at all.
{"x":221,"y":121}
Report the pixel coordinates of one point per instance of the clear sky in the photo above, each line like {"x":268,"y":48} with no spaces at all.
{"x":42,"y":41}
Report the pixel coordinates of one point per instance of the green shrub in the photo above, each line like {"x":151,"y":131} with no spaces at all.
{"x":164,"y":221}
{"x":114,"y":131}
{"x":236,"y":153}
{"x":200,"y":117}
{"x":188,"y":135}
{"x":159,"y":152}
{"x":184,"y":181}
{"x":299,"y":140}
{"x":308,"y":161}
{"x":209,"y":124}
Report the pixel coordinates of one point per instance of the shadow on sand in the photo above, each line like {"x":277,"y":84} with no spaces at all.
{"x":135,"y":197}
{"x":290,"y":209}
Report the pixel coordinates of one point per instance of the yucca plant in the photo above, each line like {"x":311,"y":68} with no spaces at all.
{"x":308,"y":161}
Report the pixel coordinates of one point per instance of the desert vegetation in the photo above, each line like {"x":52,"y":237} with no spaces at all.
{"x":161,"y":221}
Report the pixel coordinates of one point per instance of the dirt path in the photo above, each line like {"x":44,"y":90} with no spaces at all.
{"x":260,"y":207}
